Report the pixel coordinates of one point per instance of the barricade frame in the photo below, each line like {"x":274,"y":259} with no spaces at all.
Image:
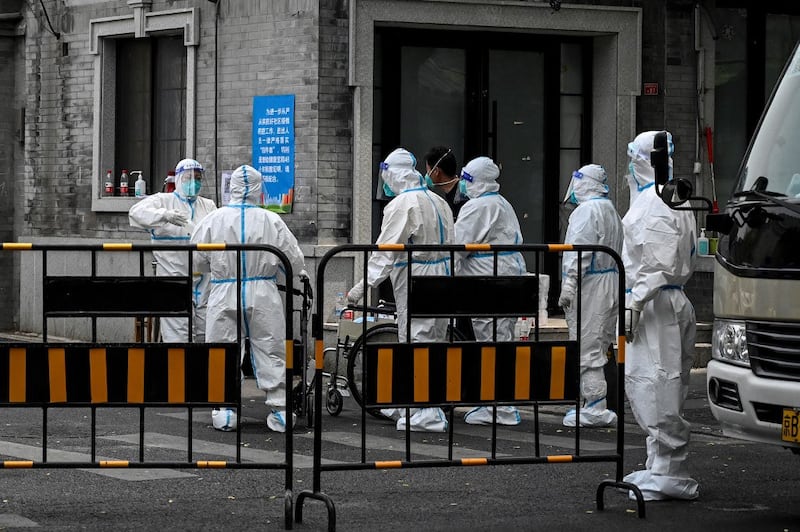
{"x":87,"y":296}
{"x":416,"y":352}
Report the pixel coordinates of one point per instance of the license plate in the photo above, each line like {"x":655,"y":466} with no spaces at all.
{"x":791,"y":425}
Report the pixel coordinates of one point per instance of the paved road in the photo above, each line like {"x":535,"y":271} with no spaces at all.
{"x":743,"y":486}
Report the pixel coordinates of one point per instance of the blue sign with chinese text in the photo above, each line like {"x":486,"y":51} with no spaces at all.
{"x":273,"y":149}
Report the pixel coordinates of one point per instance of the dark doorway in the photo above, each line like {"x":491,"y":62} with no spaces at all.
{"x":494,"y":94}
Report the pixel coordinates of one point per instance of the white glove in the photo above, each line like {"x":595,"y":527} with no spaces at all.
{"x":303,"y":274}
{"x":567,"y":295}
{"x":355,"y":294}
{"x":176,"y":217}
{"x":631,"y":323}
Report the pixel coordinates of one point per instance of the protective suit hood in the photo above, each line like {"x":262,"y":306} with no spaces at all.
{"x":641,"y":173}
{"x":589,"y":182}
{"x":399,"y":171}
{"x":245,"y":186}
{"x":480,"y":176}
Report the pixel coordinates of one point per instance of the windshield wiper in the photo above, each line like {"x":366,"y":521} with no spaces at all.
{"x":758,"y":194}
{"x":758,"y":190}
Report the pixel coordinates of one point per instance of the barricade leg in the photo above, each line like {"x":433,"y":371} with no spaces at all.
{"x":623,"y":486}
{"x":306,"y":494}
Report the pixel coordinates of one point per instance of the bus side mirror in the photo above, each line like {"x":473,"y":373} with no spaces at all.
{"x":659,"y":159}
{"x":676,"y":192}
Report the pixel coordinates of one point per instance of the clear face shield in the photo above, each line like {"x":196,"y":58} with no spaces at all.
{"x":383,"y":192}
{"x":191,"y":181}
{"x":463,"y":183}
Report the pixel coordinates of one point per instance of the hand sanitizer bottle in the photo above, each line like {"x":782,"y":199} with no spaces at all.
{"x":140,"y":186}
{"x":702,"y":243}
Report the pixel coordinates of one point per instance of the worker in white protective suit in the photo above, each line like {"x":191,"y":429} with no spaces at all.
{"x":659,"y":256}
{"x":595,"y":222}
{"x":415,"y":215}
{"x":243,"y":221}
{"x":488,"y":218}
{"x":170,"y":218}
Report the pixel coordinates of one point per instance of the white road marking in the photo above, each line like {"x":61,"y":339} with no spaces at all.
{"x":30,"y":452}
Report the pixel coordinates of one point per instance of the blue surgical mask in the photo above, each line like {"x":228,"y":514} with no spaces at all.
{"x":572,"y":198}
{"x":191,"y":188}
{"x":429,"y":181}
{"x":388,"y":191}
{"x":462,"y":188}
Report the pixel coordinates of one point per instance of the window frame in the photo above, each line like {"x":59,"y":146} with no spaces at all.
{"x":138,"y":25}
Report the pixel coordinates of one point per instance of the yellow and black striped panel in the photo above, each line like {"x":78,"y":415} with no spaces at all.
{"x":471,"y":372}
{"x":119,"y":373}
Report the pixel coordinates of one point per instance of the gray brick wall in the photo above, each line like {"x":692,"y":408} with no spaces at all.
{"x":335,"y":134}
{"x":56,"y":191}
{"x":700,"y":291}
{"x":680,"y":99}
{"x":8,"y":140}
{"x":264,"y":48}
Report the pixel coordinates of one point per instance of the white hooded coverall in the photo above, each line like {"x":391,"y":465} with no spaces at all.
{"x":659,"y":256}
{"x":415,"y":216}
{"x":152,"y":213}
{"x":488,"y":218}
{"x":243,"y":221}
{"x":595,"y":222}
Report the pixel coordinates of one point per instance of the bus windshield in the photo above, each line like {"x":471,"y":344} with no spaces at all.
{"x":775,"y":150}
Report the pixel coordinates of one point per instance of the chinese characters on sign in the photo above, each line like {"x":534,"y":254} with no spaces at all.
{"x":650,"y":89}
{"x":273,"y":149}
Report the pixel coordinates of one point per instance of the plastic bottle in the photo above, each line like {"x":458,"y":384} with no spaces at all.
{"x":123,"y":183}
{"x":524,"y":329}
{"x":109,"y":184}
{"x":713,"y":243}
{"x":702,"y":243}
{"x":169,"y":182}
{"x":339,"y":305}
{"x":139,"y":187}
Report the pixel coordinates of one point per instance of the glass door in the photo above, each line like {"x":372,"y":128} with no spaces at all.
{"x":515,"y":133}
{"x":489,"y":94}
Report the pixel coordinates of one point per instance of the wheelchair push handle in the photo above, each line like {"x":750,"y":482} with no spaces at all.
{"x":384,"y":307}
{"x":306,"y":291}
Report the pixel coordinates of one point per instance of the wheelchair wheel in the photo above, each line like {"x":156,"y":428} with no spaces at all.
{"x":297,"y":399}
{"x":383,"y":333}
{"x":334,"y":402}
{"x":386,"y":332}
{"x":310,"y":409}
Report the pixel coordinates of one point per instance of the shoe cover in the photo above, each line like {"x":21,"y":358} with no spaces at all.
{"x":276,"y":420}
{"x":594,"y":414}
{"x":394,"y":413}
{"x":662,"y":487}
{"x":425,"y":420}
{"x":482,"y":415}
{"x":224,"y":419}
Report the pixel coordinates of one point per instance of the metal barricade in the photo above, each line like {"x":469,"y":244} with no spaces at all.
{"x":451,"y":373}
{"x":133,"y":375}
